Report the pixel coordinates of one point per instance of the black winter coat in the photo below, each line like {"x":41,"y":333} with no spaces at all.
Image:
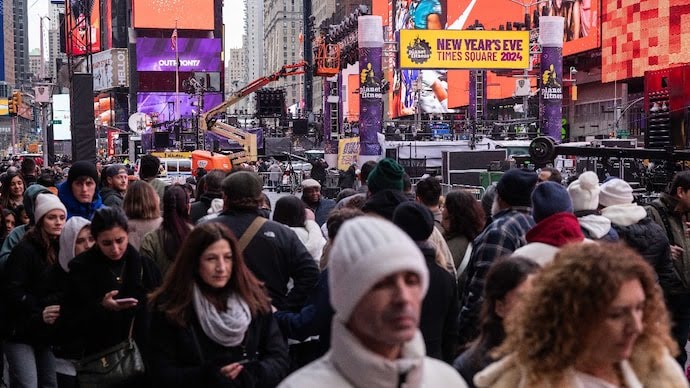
{"x":650,"y":241}
{"x":439,"y":323}
{"x":275,"y":255}
{"x":177,"y":360}
{"x":29,"y":288}
{"x":90,"y":327}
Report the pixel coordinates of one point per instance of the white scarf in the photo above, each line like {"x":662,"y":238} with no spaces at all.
{"x":226,"y":328}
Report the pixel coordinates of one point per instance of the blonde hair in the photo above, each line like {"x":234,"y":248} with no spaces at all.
{"x":571,"y":297}
{"x":141,"y":201}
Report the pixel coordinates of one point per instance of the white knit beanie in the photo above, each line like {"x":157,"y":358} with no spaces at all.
{"x":46,"y":203}
{"x":584,"y":192}
{"x":616,"y":192}
{"x":365,"y":251}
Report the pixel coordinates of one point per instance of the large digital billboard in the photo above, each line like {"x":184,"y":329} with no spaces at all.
{"x":162,"y":105}
{"x":643,"y":35}
{"x":441,"y":90}
{"x":170,"y":14}
{"x":82,"y":23}
{"x":61,"y":117}
{"x":196,"y":54}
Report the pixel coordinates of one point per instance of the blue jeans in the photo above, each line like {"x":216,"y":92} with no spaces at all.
{"x":30,"y":366}
{"x":679,"y":310}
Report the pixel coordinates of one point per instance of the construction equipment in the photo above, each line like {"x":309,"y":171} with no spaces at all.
{"x":208,"y":122}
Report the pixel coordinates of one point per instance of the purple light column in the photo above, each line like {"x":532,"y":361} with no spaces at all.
{"x":370,"y":41}
{"x":551,"y":39}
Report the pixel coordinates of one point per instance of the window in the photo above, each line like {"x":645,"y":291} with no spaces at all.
{"x":185,"y":166}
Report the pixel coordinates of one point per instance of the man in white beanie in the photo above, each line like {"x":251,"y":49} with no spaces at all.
{"x":584,"y":192}
{"x":378,"y":279}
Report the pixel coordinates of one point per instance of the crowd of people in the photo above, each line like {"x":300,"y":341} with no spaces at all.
{"x":114,"y":281}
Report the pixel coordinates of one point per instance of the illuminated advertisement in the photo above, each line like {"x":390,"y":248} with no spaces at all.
{"x":82,"y":22}
{"x":169,"y":14}
{"x":458,"y":49}
{"x":162,"y":105}
{"x":643,"y":35}
{"x":61,"y":117}
{"x":442,"y":88}
{"x":157,"y":54}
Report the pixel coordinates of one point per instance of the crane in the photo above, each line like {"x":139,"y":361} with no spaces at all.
{"x":208,"y":122}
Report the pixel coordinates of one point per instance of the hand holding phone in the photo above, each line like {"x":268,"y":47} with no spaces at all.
{"x":125,"y":301}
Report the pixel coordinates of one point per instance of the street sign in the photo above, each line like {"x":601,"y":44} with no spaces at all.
{"x":57,"y":122}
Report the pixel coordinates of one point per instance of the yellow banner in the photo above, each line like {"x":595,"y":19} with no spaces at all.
{"x":348,"y":152}
{"x":172,"y":155}
{"x":4,"y":107}
{"x":462,"y":49}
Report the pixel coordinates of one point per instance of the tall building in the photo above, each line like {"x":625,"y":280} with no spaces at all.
{"x":321,"y":10}
{"x":235,"y":71}
{"x":282,"y":29}
{"x":35,"y":64}
{"x":54,"y":54}
{"x":253,"y":44}
{"x":20,"y":15}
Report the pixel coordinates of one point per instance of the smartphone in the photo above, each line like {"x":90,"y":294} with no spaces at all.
{"x":126,"y":300}
{"x":244,"y":362}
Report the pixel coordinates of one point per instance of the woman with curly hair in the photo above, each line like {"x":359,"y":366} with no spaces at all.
{"x":463,"y":219}
{"x":594,"y":318}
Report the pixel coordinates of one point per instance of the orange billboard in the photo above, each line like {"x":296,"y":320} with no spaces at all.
{"x":643,"y":35}
{"x":187,"y":14}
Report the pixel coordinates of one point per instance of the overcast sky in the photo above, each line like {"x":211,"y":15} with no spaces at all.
{"x":234,"y":24}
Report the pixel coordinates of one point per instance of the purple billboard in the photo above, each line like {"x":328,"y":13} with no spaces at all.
{"x":196,"y":54}
{"x":162,"y":105}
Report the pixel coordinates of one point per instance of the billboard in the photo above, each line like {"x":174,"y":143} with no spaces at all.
{"x":110,"y":69}
{"x":61,"y":117}
{"x":183,"y":14}
{"x":82,"y":23}
{"x":196,"y":54}
{"x":162,"y":105}
{"x":441,"y":89}
{"x":642,"y":36}
{"x":456,"y":49}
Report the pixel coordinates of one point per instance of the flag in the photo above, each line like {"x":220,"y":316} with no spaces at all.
{"x":173,"y":40}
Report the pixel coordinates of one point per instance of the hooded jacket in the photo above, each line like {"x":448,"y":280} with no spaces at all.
{"x":648,"y":239}
{"x":17,"y":233}
{"x":350,"y":364}
{"x":76,"y":208}
{"x":597,"y":227}
{"x":676,"y":234}
{"x":200,"y":207}
{"x":68,"y":239}
{"x":638,"y":372}
{"x":111,"y":197}
{"x":547,"y":237}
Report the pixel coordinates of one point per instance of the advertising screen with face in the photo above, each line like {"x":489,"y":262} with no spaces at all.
{"x":196,"y":54}
{"x":441,"y":90}
{"x":169,"y":14}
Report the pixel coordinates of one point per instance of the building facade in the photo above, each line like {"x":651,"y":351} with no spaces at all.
{"x":282,"y":31}
{"x":321,"y":10}
{"x":253,"y":46}
{"x":22,"y":72}
{"x":55,"y":56}
{"x":235,"y":73}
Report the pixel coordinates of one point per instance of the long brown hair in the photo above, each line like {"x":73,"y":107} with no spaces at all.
{"x":141,"y":201}
{"x":174,"y":297}
{"x":37,"y":235}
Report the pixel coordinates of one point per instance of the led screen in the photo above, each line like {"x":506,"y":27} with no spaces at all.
{"x":162,"y":105}
{"x":157,"y":54}
{"x":82,"y":23}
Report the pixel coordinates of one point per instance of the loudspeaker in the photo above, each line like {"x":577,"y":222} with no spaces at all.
{"x":82,"y":123}
{"x":161,"y":140}
{"x":299,"y":127}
